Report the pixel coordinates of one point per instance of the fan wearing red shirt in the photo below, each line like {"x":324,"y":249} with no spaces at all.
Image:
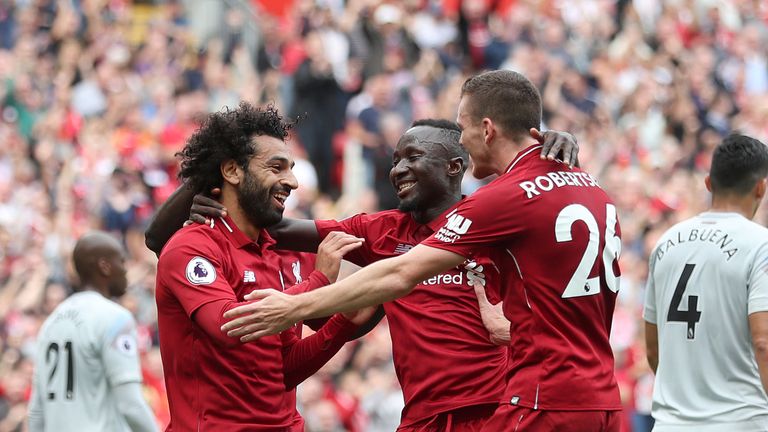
{"x":561,"y":237}
{"x":214,"y":382}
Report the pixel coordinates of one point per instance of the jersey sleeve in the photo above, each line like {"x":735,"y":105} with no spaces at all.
{"x":193,"y":273}
{"x":757,"y":296}
{"x":355,"y":226}
{"x":485,"y":219}
{"x":119,"y":350}
{"x":649,"y":308}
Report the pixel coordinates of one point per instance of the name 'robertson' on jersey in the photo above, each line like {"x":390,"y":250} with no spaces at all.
{"x":545,"y":183}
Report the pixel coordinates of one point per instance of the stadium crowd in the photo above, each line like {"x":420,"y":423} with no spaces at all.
{"x":98,"y":95}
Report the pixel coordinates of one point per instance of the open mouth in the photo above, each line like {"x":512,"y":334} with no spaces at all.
{"x":405,"y":187}
{"x":279,"y":199}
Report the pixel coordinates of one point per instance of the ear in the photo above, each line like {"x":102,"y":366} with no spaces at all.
{"x":489,"y":130}
{"x":455,"y":167}
{"x":105,"y":268}
{"x":761,"y":188}
{"x":708,"y":183}
{"x":232,"y":172}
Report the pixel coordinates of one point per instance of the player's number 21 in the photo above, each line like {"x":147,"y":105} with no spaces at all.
{"x":52,"y":358}
{"x":581,"y":284}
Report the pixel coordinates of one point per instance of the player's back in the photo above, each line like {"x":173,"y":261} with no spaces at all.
{"x":84,"y":348}
{"x":706,"y":275}
{"x":566,"y":254}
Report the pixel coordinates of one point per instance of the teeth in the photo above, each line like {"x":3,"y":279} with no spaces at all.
{"x":405,"y":185}
{"x":280,"y":197}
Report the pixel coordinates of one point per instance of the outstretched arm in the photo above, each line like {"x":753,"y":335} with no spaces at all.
{"x":377,"y":283}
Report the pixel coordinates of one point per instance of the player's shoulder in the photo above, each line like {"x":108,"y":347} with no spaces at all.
{"x":384,"y":218}
{"x":195,"y":238}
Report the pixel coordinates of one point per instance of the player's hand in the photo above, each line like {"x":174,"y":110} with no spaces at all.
{"x":493,"y":317}
{"x":268,"y":314}
{"x":361,"y":316}
{"x":205,"y":209}
{"x":554,"y":142}
{"x":331,"y":250}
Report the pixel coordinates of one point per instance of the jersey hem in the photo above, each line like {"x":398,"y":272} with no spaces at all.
{"x":449,"y":407}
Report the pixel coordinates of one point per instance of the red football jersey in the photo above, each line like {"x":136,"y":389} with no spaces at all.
{"x":442,"y":353}
{"x":560,"y":233}
{"x":213,"y":387}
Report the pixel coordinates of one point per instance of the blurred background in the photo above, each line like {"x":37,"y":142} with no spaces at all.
{"x":96,"y":96}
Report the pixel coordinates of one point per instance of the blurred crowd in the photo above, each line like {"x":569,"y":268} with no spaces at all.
{"x":96,"y":96}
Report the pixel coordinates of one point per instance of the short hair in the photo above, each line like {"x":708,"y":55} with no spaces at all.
{"x":450,"y":137}
{"x":506,"y":97}
{"x":224,"y":135}
{"x":738,"y":163}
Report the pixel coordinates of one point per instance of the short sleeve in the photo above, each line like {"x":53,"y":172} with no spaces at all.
{"x":485,"y":219}
{"x":649,"y":308}
{"x":355,"y":226}
{"x":757,"y":300}
{"x":193,"y":274}
{"x":119,"y":349}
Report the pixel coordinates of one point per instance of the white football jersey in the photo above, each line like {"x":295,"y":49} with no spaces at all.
{"x":706,"y":275}
{"x":85,"y":348}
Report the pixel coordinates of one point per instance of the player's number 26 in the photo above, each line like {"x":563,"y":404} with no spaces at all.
{"x":581,"y":284}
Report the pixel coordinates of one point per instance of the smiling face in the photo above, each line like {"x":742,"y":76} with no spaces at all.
{"x":420,"y":170}
{"x":267,"y":182}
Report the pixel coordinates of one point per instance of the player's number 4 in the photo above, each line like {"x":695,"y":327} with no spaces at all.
{"x":581,"y":284}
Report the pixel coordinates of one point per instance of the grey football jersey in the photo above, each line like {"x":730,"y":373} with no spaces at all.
{"x":706,"y":275}
{"x":84,"y":349}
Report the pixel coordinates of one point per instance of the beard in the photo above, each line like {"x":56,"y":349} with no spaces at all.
{"x":408,"y":205}
{"x":256,"y":202}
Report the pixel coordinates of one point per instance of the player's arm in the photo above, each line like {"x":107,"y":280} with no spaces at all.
{"x":493,"y":317}
{"x":758,"y":327}
{"x":558,"y":145}
{"x":652,"y":345}
{"x":303,"y":357}
{"x":168,"y":219}
{"x":133,"y":407}
{"x":757,"y":310}
{"x":650,"y":315}
{"x":377,"y":283}
{"x":120,"y":357}
{"x":35,"y":418}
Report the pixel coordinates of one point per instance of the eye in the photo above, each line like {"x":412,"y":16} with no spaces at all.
{"x":414,"y":157}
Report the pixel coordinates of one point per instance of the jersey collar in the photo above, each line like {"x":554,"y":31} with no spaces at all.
{"x":230,"y":230}
{"x":439,"y":221}
{"x":520,"y":156}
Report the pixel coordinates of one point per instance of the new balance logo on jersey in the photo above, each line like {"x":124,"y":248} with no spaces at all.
{"x":474,"y":273}
{"x":403,"y":248}
{"x":456,"y":226}
{"x":249,"y":276}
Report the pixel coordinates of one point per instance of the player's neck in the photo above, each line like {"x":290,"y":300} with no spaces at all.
{"x":427,"y":215}
{"x":744,"y":206}
{"x":507,"y":150}
{"x":237,"y":214}
{"x":91,"y":287}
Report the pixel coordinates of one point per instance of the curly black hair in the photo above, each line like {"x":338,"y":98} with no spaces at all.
{"x":224,"y":135}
